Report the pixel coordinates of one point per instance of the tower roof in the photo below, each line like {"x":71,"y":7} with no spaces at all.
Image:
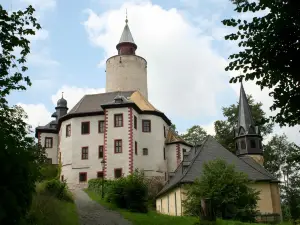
{"x":245,"y":118}
{"x":126,"y":35}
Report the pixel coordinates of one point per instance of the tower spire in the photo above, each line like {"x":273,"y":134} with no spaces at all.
{"x":247,"y":135}
{"x":245,"y":118}
{"x":126,"y":45}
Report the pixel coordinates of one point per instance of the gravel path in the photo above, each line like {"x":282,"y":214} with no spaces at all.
{"x":91,"y":213}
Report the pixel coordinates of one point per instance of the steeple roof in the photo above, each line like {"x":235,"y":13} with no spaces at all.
{"x":245,"y":118}
{"x":126,"y":35}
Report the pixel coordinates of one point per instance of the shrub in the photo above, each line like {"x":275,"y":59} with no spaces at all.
{"x":58,"y":189}
{"x":49,"y":172}
{"x":95,"y":185}
{"x":129,"y":192}
{"x":154,"y":184}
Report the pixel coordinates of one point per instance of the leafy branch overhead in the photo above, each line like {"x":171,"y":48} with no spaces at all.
{"x":15,"y":28}
{"x":269,"y":49}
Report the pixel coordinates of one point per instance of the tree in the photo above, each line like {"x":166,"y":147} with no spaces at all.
{"x":173,"y":127}
{"x":282,"y":159}
{"x":224,"y":128}
{"x":20,"y":157}
{"x":269,"y":49}
{"x":217,"y":182}
{"x":195,"y":135}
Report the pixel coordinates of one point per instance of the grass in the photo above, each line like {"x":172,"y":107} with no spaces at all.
{"x":154,"y":218}
{"x":150,"y":218}
{"x":48,"y":210}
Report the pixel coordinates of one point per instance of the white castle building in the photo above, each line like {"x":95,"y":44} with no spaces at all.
{"x":119,"y":128}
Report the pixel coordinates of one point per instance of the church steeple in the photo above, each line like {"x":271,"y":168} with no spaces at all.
{"x":126,"y":45}
{"x":247,"y":135}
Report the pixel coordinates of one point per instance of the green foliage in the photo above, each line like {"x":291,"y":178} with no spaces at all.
{"x":282,"y":159}
{"x":129,"y":192}
{"x":154,"y":185}
{"x":228,"y":190}
{"x":269,"y":46}
{"x":58,"y":189}
{"x":224,"y":128}
{"x":20,"y":157}
{"x":195,"y":135}
{"x":49,"y":172}
{"x":48,"y":210}
{"x":95,"y":185}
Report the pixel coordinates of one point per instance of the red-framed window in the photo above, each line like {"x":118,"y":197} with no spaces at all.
{"x":100,"y":174}
{"x":48,"y":142}
{"x":85,"y":152}
{"x":135,"y":122}
{"x":101,"y":126}
{"x":68,"y":130}
{"x":118,"y":120}
{"x":135,"y":148}
{"x":164,"y":153}
{"x":83,"y":177}
{"x":118,"y":146}
{"x":146,"y":126}
{"x":85,"y":127}
{"x":100,"y":151}
{"x":118,"y":172}
{"x":164,"y":131}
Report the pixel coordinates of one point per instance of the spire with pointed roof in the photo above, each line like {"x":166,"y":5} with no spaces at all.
{"x":247,"y":135}
{"x":126,"y":45}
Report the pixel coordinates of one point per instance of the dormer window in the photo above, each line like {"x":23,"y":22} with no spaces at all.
{"x":118,"y":99}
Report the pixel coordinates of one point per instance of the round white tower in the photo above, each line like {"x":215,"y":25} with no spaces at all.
{"x":126,"y":71}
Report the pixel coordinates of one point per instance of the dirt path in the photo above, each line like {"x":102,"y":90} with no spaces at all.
{"x":91,"y":213}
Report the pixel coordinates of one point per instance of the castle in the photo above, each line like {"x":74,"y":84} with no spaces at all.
{"x":111,"y":134}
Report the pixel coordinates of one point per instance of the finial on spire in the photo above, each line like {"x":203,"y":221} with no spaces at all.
{"x":126,"y":21}
{"x":62,"y":94}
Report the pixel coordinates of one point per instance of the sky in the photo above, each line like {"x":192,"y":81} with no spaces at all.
{"x":182,"y":41}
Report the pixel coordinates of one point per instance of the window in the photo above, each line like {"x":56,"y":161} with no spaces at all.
{"x":101,"y":126}
{"x":164,"y":131}
{"x":183,"y":151}
{"x":100,"y":174}
{"x":62,"y":178}
{"x":82,"y":177}
{"x":243,"y":144}
{"x":236,"y":146}
{"x":118,"y":120}
{"x":100,"y":151}
{"x":68,"y":130}
{"x":135,"y":148}
{"x":118,"y":146}
{"x":48,"y":142}
{"x":252,"y":144}
{"x":164,"y":154}
{"x":135,"y":122}
{"x":84,"y":152}
{"x":145,"y":151}
{"x":118,"y":173}
{"x":165,"y":175}
{"x":85,"y":127}
{"x":146,"y":125}
{"x":49,"y":160}
{"x":260,"y":145}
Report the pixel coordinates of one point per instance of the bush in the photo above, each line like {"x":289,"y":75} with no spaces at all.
{"x":57,"y":189}
{"x":129,"y":192}
{"x":154,"y":184}
{"x":49,"y":172}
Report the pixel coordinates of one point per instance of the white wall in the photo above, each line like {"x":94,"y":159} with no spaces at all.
{"x":130,"y":74}
{"x":51,"y":152}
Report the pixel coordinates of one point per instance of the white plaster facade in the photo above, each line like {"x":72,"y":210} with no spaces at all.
{"x":52,"y":152}
{"x":126,"y":73}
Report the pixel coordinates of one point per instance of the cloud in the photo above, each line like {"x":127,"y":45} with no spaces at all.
{"x":39,"y":35}
{"x":37,"y":114}
{"x":182,"y":65}
{"x":73,"y":94}
{"x":42,"y":58}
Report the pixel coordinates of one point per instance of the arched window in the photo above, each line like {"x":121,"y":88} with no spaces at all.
{"x":252,"y":144}
{"x":243,"y":144}
{"x":241,"y":131}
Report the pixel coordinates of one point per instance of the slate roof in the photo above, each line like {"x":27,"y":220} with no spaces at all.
{"x":173,"y":137}
{"x":211,"y":150}
{"x":126,"y":36}
{"x":91,"y":103}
